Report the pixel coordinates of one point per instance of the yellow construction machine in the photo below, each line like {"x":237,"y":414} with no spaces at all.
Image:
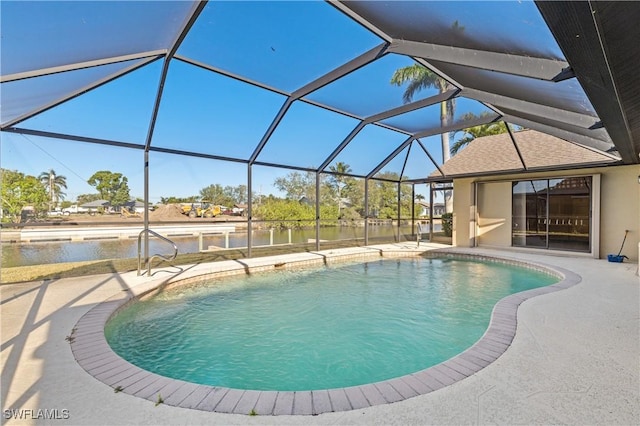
{"x":127,"y":213}
{"x":201,"y":209}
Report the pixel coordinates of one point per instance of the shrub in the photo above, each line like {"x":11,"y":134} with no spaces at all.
{"x":447,"y":224}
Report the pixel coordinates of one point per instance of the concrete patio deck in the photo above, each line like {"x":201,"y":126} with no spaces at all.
{"x":575,"y":358}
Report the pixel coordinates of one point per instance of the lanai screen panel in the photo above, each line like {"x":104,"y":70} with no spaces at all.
{"x":43,"y":34}
{"x":411,"y":163}
{"x":513,"y":27}
{"x":281,"y":47}
{"x":567,"y":94}
{"x":284,"y":45}
{"x":119,"y":110}
{"x":369,"y":148}
{"x":306,"y":136}
{"x":24,"y":96}
{"x":81,"y":161}
{"x":208,"y":113}
{"x":368,"y":90}
{"x":428,"y":118}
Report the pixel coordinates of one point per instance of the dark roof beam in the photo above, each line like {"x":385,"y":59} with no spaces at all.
{"x":229,"y":74}
{"x":515,"y":145}
{"x":565,"y":74}
{"x":186,"y":26}
{"x":74,"y":138}
{"x":78,"y":92}
{"x":153,"y":54}
{"x":390,"y":157}
{"x":426,"y":151}
{"x":338,"y":4}
{"x":432,"y":100}
{"x":406,"y":159}
{"x":342,"y":146}
{"x":285,"y":166}
{"x":342,"y":70}
{"x":272,"y":127}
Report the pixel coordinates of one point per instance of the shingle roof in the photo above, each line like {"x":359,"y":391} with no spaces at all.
{"x":498,"y":154}
{"x":96,"y":203}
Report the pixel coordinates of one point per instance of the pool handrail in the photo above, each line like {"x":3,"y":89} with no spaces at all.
{"x":163,"y":257}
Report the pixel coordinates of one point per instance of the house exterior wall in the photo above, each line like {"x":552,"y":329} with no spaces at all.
{"x":619,"y":198}
{"x":462,"y":217}
{"x":494,"y":225}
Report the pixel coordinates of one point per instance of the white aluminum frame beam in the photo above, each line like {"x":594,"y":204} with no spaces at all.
{"x":539,"y":68}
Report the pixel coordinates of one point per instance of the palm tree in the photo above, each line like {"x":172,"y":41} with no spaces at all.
{"x":418,"y":78}
{"x":471,"y":133}
{"x":339,"y":179}
{"x":54,"y":184}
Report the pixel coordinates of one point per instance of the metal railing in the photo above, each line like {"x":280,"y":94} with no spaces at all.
{"x":160,"y":256}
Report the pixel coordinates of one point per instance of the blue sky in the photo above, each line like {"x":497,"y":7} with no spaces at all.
{"x":283,"y":45}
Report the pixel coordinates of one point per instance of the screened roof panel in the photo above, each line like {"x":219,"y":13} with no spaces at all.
{"x":199,"y":113}
{"x":513,"y":27}
{"x":369,"y":148}
{"x":428,"y":118}
{"x":306,"y":136}
{"x":596,"y":133}
{"x":433,"y":145}
{"x":395,"y":165}
{"x":338,"y":47}
{"x":567,"y":94}
{"x":44,"y":34}
{"x":262,"y":41}
{"x":368,"y":90}
{"x":20,"y":97}
{"x":417,"y":164}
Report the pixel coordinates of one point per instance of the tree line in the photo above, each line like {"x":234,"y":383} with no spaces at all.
{"x":45,"y":192}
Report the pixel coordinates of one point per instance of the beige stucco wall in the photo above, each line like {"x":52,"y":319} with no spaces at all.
{"x":619,"y":208}
{"x":494,"y":225}
{"x":462,"y":205}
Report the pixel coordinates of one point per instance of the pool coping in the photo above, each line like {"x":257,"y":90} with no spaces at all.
{"x":95,"y":356}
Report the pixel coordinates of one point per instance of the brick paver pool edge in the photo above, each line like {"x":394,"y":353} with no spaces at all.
{"x":93,"y":353}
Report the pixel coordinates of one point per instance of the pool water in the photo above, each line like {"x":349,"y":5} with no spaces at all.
{"x":322,"y":328}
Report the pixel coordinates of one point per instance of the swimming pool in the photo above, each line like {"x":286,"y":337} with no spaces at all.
{"x":323,"y":328}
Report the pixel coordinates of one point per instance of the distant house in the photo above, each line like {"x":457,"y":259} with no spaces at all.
{"x":240,"y":209}
{"x":423,"y":209}
{"x":93,"y":206}
{"x":136,"y":206}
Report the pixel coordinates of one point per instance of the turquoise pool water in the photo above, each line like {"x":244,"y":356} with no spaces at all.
{"x":315,"y":329}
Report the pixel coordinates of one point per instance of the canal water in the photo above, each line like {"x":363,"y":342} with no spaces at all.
{"x":37,"y":253}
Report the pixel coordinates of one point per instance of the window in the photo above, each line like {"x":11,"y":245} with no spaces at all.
{"x":552,"y":213}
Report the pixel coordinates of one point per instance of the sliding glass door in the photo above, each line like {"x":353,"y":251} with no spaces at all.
{"x":529,"y":206}
{"x":569,"y":213}
{"x":552,"y":213}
